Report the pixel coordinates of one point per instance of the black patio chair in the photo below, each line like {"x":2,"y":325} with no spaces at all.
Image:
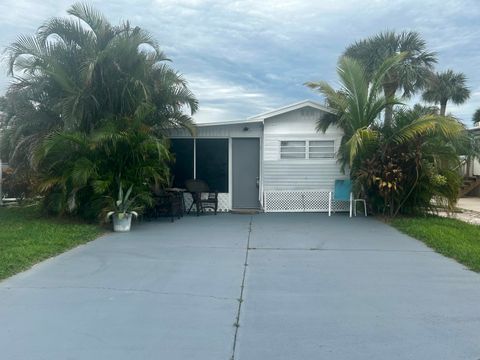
{"x":203,"y":197}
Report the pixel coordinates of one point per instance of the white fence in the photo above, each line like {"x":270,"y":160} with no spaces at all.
{"x":286,"y":201}
{"x":301,"y":201}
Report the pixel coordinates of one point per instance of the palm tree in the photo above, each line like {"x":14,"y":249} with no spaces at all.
{"x":446,"y":86}
{"x":412,"y":156}
{"x":408,"y":76}
{"x":358,"y":103}
{"x":25,"y":124}
{"x":92,"y":103}
{"x":86,"y":69}
{"x":80,"y":171}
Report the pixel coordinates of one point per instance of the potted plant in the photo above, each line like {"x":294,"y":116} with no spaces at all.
{"x":123,"y":213}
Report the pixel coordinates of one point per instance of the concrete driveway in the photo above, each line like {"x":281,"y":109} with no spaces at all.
{"x":314,"y":288}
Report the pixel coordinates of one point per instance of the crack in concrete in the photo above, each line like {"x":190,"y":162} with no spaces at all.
{"x":242,"y":287}
{"x":340,"y":250}
{"x":144,"y":291}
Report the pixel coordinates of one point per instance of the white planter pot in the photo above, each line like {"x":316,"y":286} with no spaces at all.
{"x":122,"y":222}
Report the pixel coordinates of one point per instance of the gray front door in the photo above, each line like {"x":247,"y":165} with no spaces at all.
{"x":245,"y":172}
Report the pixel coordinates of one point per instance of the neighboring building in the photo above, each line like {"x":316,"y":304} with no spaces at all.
{"x":275,"y":161}
{"x":475,"y":166}
{"x":471,"y":186}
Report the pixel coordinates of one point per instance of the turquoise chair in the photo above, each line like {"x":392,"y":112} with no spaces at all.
{"x":343,"y":192}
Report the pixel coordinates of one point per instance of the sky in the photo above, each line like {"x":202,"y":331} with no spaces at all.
{"x":245,"y":57}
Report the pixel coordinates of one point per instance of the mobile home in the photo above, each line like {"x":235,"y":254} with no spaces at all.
{"x":275,"y":161}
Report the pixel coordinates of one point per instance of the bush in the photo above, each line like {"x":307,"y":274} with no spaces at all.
{"x":18,"y":184}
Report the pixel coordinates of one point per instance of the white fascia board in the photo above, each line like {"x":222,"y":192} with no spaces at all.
{"x":232,"y":122}
{"x":291,"y":107}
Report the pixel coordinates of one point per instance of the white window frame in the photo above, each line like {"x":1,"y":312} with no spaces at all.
{"x":307,"y":145}
{"x":331,"y":155}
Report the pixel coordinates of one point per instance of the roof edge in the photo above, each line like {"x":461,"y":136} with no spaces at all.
{"x":230,"y":122}
{"x":291,"y":107}
{"x":262,"y":116}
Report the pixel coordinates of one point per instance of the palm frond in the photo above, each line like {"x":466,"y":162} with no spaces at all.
{"x":358,"y":141}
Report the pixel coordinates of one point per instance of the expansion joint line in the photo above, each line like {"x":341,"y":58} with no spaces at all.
{"x":242,"y":288}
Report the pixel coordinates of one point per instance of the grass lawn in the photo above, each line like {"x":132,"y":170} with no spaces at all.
{"x":27,"y":238}
{"x":450,"y":237}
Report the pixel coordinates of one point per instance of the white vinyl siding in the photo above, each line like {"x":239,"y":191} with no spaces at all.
{"x":294,"y":175}
{"x":220,"y":131}
{"x":317,"y":169}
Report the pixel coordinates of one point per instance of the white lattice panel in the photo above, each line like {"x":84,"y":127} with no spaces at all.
{"x":301,"y":201}
{"x":340,"y":206}
{"x":223,"y":202}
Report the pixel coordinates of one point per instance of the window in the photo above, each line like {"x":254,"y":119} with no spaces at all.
{"x":323,"y":149}
{"x":317,"y":149}
{"x":292,"y":149}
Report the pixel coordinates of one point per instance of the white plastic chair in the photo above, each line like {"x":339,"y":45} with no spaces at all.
{"x":355,"y":206}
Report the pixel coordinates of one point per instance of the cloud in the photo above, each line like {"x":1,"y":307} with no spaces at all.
{"x":243,"y":57}
{"x":220,"y":99}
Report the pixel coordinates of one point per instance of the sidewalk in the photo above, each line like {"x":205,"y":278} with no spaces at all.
{"x":469,"y":203}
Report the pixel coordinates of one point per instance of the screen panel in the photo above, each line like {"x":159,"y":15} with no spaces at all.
{"x":212,"y":163}
{"x":182,"y":168}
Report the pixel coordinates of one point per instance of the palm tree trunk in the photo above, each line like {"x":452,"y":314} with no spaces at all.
{"x":389,"y":91}
{"x":443,"y":107}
